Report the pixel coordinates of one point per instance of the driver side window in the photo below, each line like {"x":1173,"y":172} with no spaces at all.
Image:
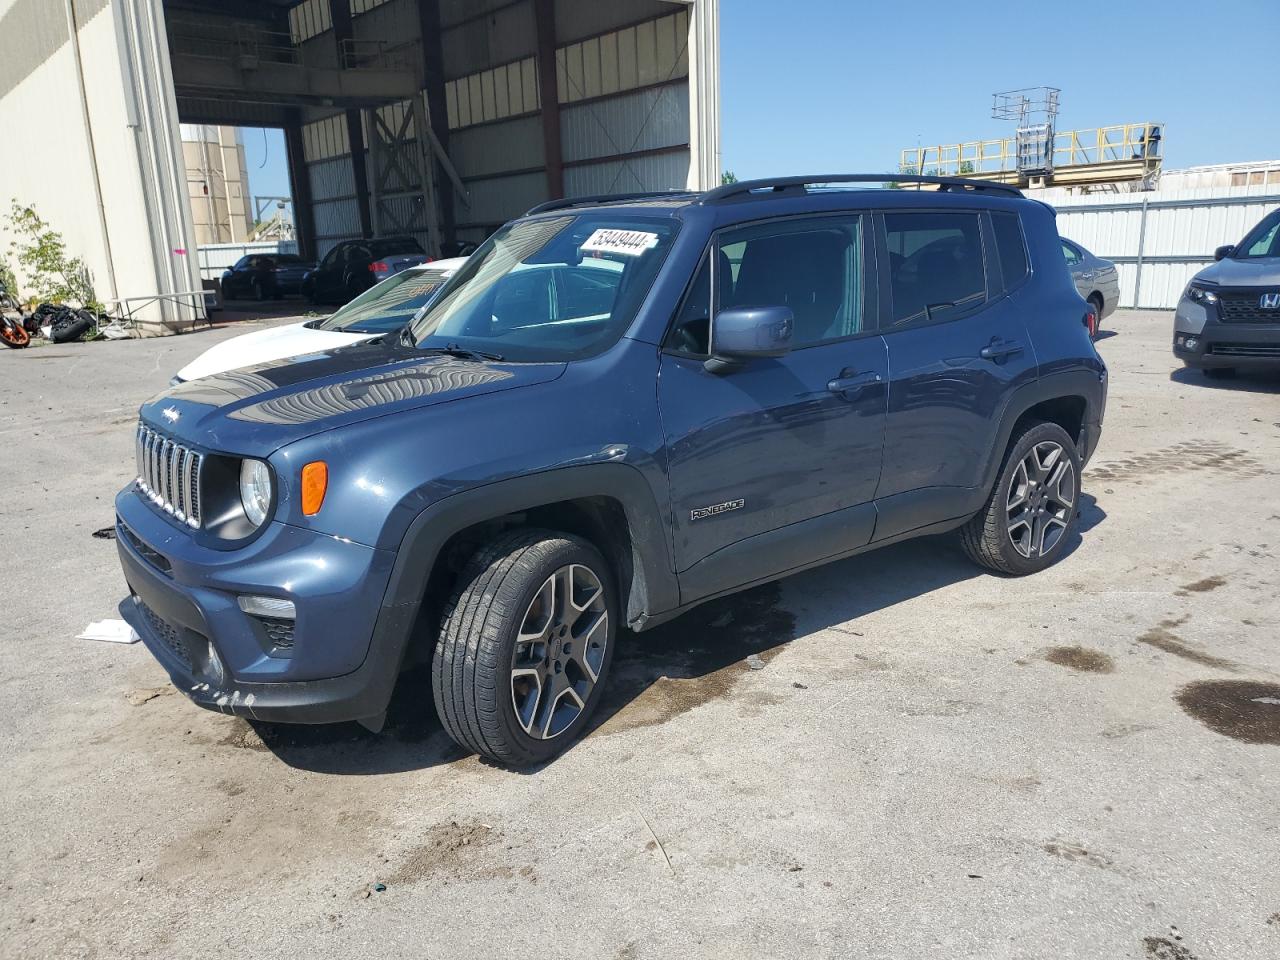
{"x":811,"y":265}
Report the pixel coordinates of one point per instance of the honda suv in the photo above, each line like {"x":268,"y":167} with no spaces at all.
{"x":617,"y":409}
{"x":1229,"y":315}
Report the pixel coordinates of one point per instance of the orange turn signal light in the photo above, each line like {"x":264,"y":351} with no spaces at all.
{"x":315,"y":481}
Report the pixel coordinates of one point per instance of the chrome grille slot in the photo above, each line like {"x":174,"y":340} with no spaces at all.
{"x":169,"y":473}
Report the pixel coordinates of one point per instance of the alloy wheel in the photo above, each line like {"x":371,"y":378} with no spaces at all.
{"x":1042,"y":496}
{"x":559,"y":651}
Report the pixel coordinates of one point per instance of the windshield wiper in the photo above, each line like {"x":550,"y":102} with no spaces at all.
{"x":454,"y":350}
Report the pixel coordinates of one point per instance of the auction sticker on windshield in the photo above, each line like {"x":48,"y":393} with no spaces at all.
{"x":631,"y":243}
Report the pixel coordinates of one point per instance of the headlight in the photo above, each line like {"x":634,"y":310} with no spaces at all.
{"x":255,"y":490}
{"x":1201,"y":295}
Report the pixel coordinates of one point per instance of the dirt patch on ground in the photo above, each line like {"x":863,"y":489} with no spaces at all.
{"x":1162,"y":948}
{"x":1203,"y":586}
{"x":1076,"y":853}
{"x":1081,"y":658}
{"x":1245,"y":710}
{"x":1163,"y":638}
{"x":138,"y":697}
{"x":1188,"y":457}
{"x":457,"y":850}
{"x":698,"y":658}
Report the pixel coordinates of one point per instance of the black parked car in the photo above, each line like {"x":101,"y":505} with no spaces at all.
{"x":348,"y":269}
{"x":260,"y":276}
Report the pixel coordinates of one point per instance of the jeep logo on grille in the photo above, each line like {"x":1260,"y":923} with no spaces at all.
{"x":1269,"y":301}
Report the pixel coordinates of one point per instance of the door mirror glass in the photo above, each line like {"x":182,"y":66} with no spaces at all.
{"x":1223,"y":252}
{"x":739,"y":334}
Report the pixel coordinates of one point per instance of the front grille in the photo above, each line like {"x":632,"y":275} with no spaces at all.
{"x":166,"y":632}
{"x":1245,"y":350}
{"x":279,"y":632}
{"x":1244,"y":307}
{"x":169,"y":474}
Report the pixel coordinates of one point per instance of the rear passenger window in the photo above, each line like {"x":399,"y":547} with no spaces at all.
{"x":1011,"y":248}
{"x":936,"y":269}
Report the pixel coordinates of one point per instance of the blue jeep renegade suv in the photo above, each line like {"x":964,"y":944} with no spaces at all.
{"x":617,"y":409}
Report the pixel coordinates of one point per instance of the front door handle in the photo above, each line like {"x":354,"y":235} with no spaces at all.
{"x":849,"y":382}
{"x":997,"y":350}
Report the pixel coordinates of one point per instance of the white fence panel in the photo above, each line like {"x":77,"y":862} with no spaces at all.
{"x":1160,"y":240}
{"x":216,"y":257}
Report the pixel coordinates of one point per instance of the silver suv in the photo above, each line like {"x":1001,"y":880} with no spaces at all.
{"x":1229,"y":316}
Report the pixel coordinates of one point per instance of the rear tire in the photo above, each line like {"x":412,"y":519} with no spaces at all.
{"x":517,"y":670}
{"x":1030,"y":517}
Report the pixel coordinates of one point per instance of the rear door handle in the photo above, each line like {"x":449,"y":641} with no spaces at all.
{"x":999,"y":349}
{"x":849,"y":382}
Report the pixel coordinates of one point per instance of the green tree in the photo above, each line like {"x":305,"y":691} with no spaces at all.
{"x":53,"y":275}
{"x":728,"y":177}
{"x":8,"y":280}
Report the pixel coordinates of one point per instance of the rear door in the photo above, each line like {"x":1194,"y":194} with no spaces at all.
{"x":957,"y":348}
{"x":754,"y":456}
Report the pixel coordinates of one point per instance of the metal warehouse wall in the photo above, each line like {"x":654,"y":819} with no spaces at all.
{"x":628,"y":116}
{"x":107,"y":98}
{"x":1160,"y":240}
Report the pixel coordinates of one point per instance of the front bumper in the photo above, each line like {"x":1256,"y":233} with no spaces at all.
{"x":1200,"y":339}
{"x":183,"y":604}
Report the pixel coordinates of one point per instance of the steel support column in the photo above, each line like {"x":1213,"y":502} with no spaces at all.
{"x":340,"y":15}
{"x":433,"y":85}
{"x":304,"y":217}
{"x":544,"y":13}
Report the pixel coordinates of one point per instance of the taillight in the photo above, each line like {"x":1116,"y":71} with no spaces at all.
{"x":1091,"y":323}
{"x":379,"y":266}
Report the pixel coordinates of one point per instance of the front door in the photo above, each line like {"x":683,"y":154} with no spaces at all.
{"x":766,"y":448}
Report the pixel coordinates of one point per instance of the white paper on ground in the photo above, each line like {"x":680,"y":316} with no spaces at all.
{"x":112,"y":631}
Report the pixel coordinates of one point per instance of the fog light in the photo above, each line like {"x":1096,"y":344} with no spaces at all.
{"x":1192,"y":343}
{"x":268,"y":607}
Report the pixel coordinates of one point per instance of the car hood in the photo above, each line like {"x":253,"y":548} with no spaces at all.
{"x":257,"y":410}
{"x":1262,"y":272}
{"x":263,"y":346}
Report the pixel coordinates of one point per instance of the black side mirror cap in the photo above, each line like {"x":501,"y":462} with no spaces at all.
{"x":1223,"y":252}
{"x":740,"y":334}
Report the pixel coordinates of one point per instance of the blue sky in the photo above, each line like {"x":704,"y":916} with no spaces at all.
{"x":823,"y":86}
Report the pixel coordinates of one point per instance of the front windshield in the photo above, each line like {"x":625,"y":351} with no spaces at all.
{"x":558,"y":288}
{"x":1264,"y":239}
{"x":387,"y":306}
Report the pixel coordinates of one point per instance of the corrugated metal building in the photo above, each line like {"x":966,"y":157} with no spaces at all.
{"x":1160,"y":239}
{"x":435,"y":118}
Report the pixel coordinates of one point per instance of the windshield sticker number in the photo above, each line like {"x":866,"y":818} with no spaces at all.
{"x":631,"y":243}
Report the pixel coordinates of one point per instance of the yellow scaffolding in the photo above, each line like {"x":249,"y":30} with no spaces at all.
{"x":1126,"y":151}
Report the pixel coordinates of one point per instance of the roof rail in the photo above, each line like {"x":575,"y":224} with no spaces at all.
{"x":744,"y":188}
{"x":565,"y":203}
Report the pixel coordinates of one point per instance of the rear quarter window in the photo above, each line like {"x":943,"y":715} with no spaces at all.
{"x":1011,"y":248}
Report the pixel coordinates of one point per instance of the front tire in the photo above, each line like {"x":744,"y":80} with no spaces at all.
{"x":525,"y":646}
{"x":1030,"y":517}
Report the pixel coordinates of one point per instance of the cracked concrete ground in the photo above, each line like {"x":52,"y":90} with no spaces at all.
{"x":932,"y":762}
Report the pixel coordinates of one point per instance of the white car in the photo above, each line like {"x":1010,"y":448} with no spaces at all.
{"x":382,"y":308}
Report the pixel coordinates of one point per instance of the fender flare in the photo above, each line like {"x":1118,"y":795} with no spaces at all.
{"x":1086,"y":383}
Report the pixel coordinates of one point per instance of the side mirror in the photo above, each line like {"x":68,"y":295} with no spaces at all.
{"x":740,"y":334}
{"x":1223,"y":252}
